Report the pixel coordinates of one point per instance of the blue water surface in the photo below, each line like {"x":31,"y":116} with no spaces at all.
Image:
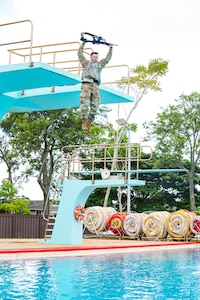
{"x":159,"y":275}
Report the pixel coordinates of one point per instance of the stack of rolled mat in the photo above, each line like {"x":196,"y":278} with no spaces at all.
{"x":133,"y":225}
{"x":195,"y":225}
{"x":154,"y":224}
{"x":178,"y":223}
{"x":96,"y":218}
{"x":116,"y":223}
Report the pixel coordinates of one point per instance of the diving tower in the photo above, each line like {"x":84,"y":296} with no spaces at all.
{"x":82,"y":169}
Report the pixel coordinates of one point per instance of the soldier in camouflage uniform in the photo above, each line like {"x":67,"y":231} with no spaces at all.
{"x":91,"y":79}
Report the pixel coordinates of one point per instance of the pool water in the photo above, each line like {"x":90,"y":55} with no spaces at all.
{"x":147,"y":275}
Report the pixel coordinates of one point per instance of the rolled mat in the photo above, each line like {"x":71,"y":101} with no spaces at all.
{"x":195,"y":225}
{"x":154,"y":224}
{"x":133,"y":225}
{"x":96,"y":218}
{"x":178,"y":223}
{"x":116,"y":223}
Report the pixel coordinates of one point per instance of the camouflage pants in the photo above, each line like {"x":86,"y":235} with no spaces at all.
{"x":90,"y":100}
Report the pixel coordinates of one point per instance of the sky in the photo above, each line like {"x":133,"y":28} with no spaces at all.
{"x":143,"y":29}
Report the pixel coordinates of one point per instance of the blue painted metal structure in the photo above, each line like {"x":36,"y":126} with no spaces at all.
{"x":25,"y":88}
{"x":75,"y":192}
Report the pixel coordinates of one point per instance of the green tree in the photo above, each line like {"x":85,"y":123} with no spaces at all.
{"x":17,"y":206}
{"x":7,"y":191}
{"x":176,"y":132}
{"x":143,"y":79}
{"x":163,"y":190}
{"x":21,"y":206}
{"x":8,"y":201}
{"x":40,"y":136}
{"x":9,"y":156}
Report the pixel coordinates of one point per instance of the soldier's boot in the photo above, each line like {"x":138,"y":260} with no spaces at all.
{"x":84,"y":125}
{"x":89,"y":122}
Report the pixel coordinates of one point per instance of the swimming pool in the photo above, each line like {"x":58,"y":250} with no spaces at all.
{"x":162,"y":274}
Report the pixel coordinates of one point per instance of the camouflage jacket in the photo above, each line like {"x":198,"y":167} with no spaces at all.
{"x":92,"y":70}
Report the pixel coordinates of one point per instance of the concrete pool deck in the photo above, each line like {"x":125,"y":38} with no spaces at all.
{"x":34,"y":248}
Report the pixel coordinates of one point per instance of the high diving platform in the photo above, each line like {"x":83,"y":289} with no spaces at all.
{"x":54,"y":83}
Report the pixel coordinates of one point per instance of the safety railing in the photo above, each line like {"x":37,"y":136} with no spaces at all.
{"x":30,"y":40}
{"x":98,"y":159}
{"x":49,"y":53}
{"x":64,"y":56}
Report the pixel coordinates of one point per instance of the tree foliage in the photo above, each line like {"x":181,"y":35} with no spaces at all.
{"x":8,"y":201}
{"x":40,"y":136}
{"x":17,"y":206}
{"x":176,"y":132}
{"x":163,"y":190}
{"x":142,"y":80}
{"x":7,"y":191}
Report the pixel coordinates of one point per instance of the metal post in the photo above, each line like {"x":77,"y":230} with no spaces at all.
{"x":123,"y":122}
{"x":129,"y":174}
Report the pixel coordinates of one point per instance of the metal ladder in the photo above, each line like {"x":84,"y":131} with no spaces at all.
{"x":52,"y":202}
{"x":53,"y":208}
{"x":54,"y":194}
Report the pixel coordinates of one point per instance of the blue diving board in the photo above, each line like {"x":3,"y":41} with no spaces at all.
{"x":45,"y":87}
{"x":19,"y":77}
{"x":61,"y":97}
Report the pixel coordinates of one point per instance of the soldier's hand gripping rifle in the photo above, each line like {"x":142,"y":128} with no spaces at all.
{"x":94,"y":39}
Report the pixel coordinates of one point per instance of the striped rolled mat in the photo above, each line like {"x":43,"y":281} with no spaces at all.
{"x":133,"y":224}
{"x":178,"y":223}
{"x":154,"y":224}
{"x":116,"y":223}
{"x":107,"y":212}
{"x":96,"y":218}
{"x":195,"y":225}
